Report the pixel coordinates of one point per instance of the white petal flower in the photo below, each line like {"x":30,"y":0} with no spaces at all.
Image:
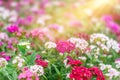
{"x":37,"y":69}
{"x":50,"y":45}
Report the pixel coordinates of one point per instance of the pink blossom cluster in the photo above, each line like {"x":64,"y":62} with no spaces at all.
{"x":65,"y":46}
{"x":28,"y":75}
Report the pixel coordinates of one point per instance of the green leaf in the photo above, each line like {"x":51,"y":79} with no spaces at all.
{"x":31,"y":58}
{"x":14,"y":75}
{"x":21,"y":49}
{"x":56,"y":69}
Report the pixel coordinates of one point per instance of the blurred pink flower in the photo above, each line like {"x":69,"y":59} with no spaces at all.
{"x":4,"y":55}
{"x":56,"y":27}
{"x":65,"y":46}
{"x":28,"y":75}
{"x":3,"y":36}
{"x":41,"y":33}
{"x":12,"y":28}
{"x":25,"y":21}
{"x":114,"y":27}
{"x":75,"y":23}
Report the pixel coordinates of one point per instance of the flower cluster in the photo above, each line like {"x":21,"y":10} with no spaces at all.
{"x":18,"y":61}
{"x":84,"y":73}
{"x":70,"y":43}
{"x":50,"y":45}
{"x":3,"y":62}
{"x":40,"y":61}
{"x":65,"y":46}
{"x":12,"y":28}
{"x":111,"y":72}
{"x":28,"y":75}
{"x":37,"y":69}
{"x":80,"y":73}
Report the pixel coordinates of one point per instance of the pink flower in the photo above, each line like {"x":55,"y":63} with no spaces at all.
{"x":107,"y":18}
{"x":41,"y":62}
{"x":75,"y":23}
{"x":65,"y":46}
{"x":12,"y":28}
{"x":7,"y":58}
{"x":80,"y":73}
{"x":1,"y":43}
{"x":28,"y":75}
{"x":73,"y":62}
{"x":56,"y":27}
{"x":3,"y":54}
{"x":114,"y":27}
{"x":3,"y":36}
{"x":41,"y":33}
{"x":25,"y":21}
{"x":98,"y":73}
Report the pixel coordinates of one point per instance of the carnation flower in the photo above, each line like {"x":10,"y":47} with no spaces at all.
{"x":56,"y":27}
{"x":114,"y":27}
{"x":41,"y":62}
{"x":80,"y":43}
{"x":117,"y":62}
{"x":28,"y":75}
{"x":37,"y":69}
{"x":3,"y":62}
{"x":12,"y":28}
{"x":3,"y":36}
{"x":24,"y":44}
{"x":112,"y":73}
{"x":18,"y":61}
{"x":80,"y":73}
{"x":50,"y":45}
{"x":65,"y":46}
{"x":4,"y":55}
{"x":112,"y":44}
{"x":98,"y":73}
{"x":97,"y":37}
{"x":75,"y":62}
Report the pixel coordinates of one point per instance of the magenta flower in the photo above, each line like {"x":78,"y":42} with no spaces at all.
{"x":65,"y":46}
{"x":114,"y":27}
{"x":12,"y":28}
{"x":7,"y":58}
{"x":80,"y":73}
{"x":107,"y":18}
{"x":4,"y":55}
{"x":28,"y":75}
{"x":1,"y":43}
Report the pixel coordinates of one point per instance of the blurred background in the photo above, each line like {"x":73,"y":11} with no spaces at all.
{"x":56,"y":18}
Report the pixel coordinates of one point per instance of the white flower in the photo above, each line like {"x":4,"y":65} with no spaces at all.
{"x":113,"y":44}
{"x":37,"y":69}
{"x":14,"y":61}
{"x":4,"y":13}
{"x":18,"y":61}
{"x":117,"y":64}
{"x":50,"y":45}
{"x":20,"y":64}
{"x":68,"y":75}
{"x":98,"y":37}
{"x":24,"y":43}
{"x":82,"y":58}
{"x":102,"y":66}
{"x":112,"y":73}
{"x":3,"y":62}
{"x":79,"y":43}
{"x":66,"y":63}
{"x":73,"y":40}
